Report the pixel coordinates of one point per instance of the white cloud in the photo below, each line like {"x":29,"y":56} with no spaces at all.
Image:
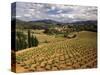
{"x":27,"y":15}
{"x":36,"y":11}
{"x":53,"y":7}
{"x":60,"y":11}
{"x":31,"y":10}
{"x":17,"y":16}
{"x":55,"y":16}
{"x":71,"y":16}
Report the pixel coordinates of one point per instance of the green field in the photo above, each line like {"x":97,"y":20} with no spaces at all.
{"x":58,"y":53}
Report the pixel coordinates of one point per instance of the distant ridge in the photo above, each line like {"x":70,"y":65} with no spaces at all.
{"x":49,"y":21}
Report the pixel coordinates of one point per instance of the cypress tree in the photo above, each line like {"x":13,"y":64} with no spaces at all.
{"x":29,"y":39}
{"x":36,"y":41}
{"x":33,"y":41}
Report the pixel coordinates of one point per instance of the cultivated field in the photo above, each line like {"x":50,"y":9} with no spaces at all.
{"x":58,"y":53}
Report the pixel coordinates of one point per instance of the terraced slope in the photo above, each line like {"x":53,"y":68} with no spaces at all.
{"x":75,"y":53}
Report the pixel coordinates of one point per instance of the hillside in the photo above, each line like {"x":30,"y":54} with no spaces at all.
{"x":47,"y":23}
{"x":79,"y":52}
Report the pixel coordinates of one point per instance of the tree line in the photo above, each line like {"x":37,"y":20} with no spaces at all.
{"x":25,"y":41}
{"x":67,"y":29}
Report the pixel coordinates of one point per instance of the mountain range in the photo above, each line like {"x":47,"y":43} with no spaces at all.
{"x":49,"y":21}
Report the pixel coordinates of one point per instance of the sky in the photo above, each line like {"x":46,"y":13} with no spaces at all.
{"x":27,"y":11}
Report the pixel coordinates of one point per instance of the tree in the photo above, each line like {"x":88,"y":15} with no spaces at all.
{"x":29,"y":39}
{"x":34,"y":41}
{"x":20,"y":40}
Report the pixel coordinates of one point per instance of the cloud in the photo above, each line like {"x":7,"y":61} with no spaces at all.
{"x":60,"y":11}
{"x":53,"y":8}
{"x":63,"y":13}
{"x":27,"y":15}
